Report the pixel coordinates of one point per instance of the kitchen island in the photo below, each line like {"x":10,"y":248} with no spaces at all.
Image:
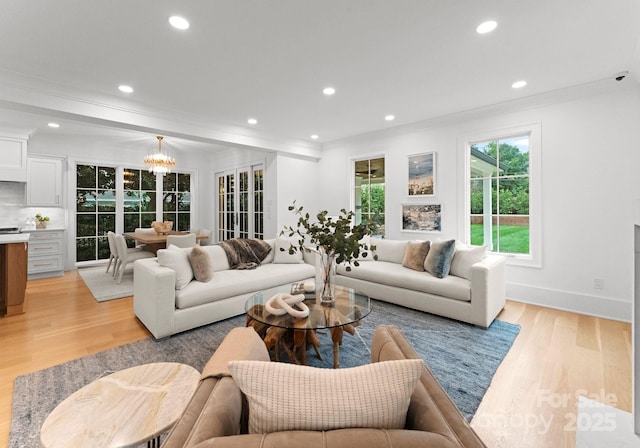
{"x":13,"y":273}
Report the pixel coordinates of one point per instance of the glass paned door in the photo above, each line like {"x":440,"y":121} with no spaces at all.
{"x":240,"y":197}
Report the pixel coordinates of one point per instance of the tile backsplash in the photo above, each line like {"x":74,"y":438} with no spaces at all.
{"x":14,"y":212}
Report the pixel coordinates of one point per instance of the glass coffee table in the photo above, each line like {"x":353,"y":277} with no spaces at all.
{"x":296,"y":335}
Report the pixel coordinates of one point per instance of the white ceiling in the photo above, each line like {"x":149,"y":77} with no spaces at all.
{"x":416,"y":59}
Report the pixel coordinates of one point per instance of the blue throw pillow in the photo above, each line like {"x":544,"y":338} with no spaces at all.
{"x":438,"y":261}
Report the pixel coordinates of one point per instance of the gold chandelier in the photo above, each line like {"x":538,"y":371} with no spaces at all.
{"x":159,"y":163}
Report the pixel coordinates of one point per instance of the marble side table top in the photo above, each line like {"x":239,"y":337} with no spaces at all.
{"x":123,"y":409}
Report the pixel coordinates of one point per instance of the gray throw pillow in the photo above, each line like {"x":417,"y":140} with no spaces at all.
{"x":438,"y":260}
{"x":414,"y":255}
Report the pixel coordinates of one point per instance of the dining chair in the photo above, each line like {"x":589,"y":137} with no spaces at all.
{"x":143,"y":230}
{"x":113,"y":256}
{"x":205,"y":241}
{"x":188,"y":240}
{"x":127,"y":255}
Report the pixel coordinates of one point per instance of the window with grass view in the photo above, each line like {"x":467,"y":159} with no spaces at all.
{"x":369,"y":193}
{"x":499,"y":194}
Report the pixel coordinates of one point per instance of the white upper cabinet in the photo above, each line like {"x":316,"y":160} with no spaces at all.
{"x":44,"y":183}
{"x":13,"y":159}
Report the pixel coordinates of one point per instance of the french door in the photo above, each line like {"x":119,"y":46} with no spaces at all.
{"x":240,"y":194}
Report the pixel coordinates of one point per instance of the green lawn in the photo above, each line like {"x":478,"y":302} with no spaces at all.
{"x":513,"y":239}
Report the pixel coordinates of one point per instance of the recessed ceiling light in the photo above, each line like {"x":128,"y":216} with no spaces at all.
{"x":315,"y":136}
{"x":125,"y":89}
{"x":329,"y":91}
{"x":54,"y":125}
{"x":252,"y":121}
{"x":519,"y":84}
{"x":390,"y":117}
{"x":179,"y":22}
{"x":486,"y":27}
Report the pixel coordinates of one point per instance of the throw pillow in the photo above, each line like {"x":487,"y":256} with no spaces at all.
{"x":175,"y":258}
{"x":201,"y":264}
{"x":438,"y":261}
{"x":287,"y":397}
{"x":465,"y":257}
{"x":414,"y":255}
{"x":366,"y":254}
{"x":272,"y":253}
{"x":282,"y":255}
{"x":390,"y":250}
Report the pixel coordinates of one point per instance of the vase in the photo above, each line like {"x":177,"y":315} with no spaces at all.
{"x":325,"y":277}
{"x":41,"y":225}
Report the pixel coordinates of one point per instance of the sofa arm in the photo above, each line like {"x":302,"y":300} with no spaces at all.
{"x":154,"y":296}
{"x":488,"y":289}
{"x":217,"y":409}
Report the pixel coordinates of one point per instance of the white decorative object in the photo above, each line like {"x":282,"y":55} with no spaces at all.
{"x":309,"y":286}
{"x":282,"y":304}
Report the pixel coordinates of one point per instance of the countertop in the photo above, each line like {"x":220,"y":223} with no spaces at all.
{"x":14,"y":238}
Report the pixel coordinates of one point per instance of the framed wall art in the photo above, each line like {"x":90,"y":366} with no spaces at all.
{"x":422,"y":174}
{"x":422,"y":217}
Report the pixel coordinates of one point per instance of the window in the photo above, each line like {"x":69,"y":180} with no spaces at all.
{"x":95,"y":211}
{"x":176,"y":200}
{"x":240,"y":195}
{"x":369,"y":193}
{"x":502,"y":189}
{"x":139,"y":198}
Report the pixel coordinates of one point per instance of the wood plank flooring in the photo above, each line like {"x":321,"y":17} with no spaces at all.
{"x":531,"y":402}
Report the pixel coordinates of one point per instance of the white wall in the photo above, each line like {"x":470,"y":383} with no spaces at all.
{"x":590,"y":181}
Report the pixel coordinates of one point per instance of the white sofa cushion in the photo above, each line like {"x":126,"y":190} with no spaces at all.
{"x":390,"y":250}
{"x":285,"y":397}
{"x":177,"y":259}
{"x":218,"y":257}
{"x":233,"y":282}
{"x":393,"y":274}
{"x":465,"y":257}
{"x":282,"y":254}
{"x":366,"y":254}
{"x":272,"y":253}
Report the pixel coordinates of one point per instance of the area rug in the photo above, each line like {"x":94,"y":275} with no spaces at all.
{"x":463,"y":358}
{"x":103,"y":286}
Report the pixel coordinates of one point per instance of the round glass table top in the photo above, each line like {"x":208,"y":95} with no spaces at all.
{"x":350,"y":306}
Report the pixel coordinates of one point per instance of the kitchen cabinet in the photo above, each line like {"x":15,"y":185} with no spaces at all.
{"x":13,"y":163}
{"x":46,"y":253}
{"x":13,"y":277}
{"x":44,"y":182}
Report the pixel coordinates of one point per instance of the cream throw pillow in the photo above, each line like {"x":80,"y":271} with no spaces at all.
{"x":283,"y":256}
{"x":390,"y":250}
{"x":201,"y":264}
{"x":175,"y":258}
{"x":286,"y":397}
{"x":465,"y":257}
{"x":415,"y":254}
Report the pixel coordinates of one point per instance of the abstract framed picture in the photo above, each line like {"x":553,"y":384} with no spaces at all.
{"x":422,"y":217}
{"x":422,"y":174}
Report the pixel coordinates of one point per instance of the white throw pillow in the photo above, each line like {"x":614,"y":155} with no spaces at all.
{"x":390,"y":250}
{"x":272,"y":253}
{"x":177,"y":259}
{"x":465,"y":257}
{"x":367,"y":241}
{"x":283,"y":256}
{"x":218,"y":257}
{"x":288,"y":397}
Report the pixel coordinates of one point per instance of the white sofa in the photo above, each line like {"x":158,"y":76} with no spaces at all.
{"x":476,"y":299}
{"x":166,"y":308}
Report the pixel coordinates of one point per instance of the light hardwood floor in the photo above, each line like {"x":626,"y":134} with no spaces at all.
{"x":531,"y":402}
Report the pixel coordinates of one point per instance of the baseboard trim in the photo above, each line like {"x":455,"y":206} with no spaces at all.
{"x":605,"y":307}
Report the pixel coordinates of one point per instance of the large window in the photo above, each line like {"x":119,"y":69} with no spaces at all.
{"x":139,"y":198}
{"x":176,"y":202}
{"x":369,"y":193}
{"x":502,"y":173}
{"x":95,"y":210}
{"x":240,"y":194}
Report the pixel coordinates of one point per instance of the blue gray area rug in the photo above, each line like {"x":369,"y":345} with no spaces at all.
{"x":462,"y":357}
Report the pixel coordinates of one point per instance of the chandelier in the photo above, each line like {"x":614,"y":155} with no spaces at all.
{"x":159,"y":163}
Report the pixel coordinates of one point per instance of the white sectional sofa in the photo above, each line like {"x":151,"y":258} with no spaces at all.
{"x":166,"y":307}
{"x":168,"y":300}
{"x":474,"y":291}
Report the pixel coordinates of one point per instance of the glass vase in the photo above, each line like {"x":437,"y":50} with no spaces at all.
{"x":325,"y":277}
